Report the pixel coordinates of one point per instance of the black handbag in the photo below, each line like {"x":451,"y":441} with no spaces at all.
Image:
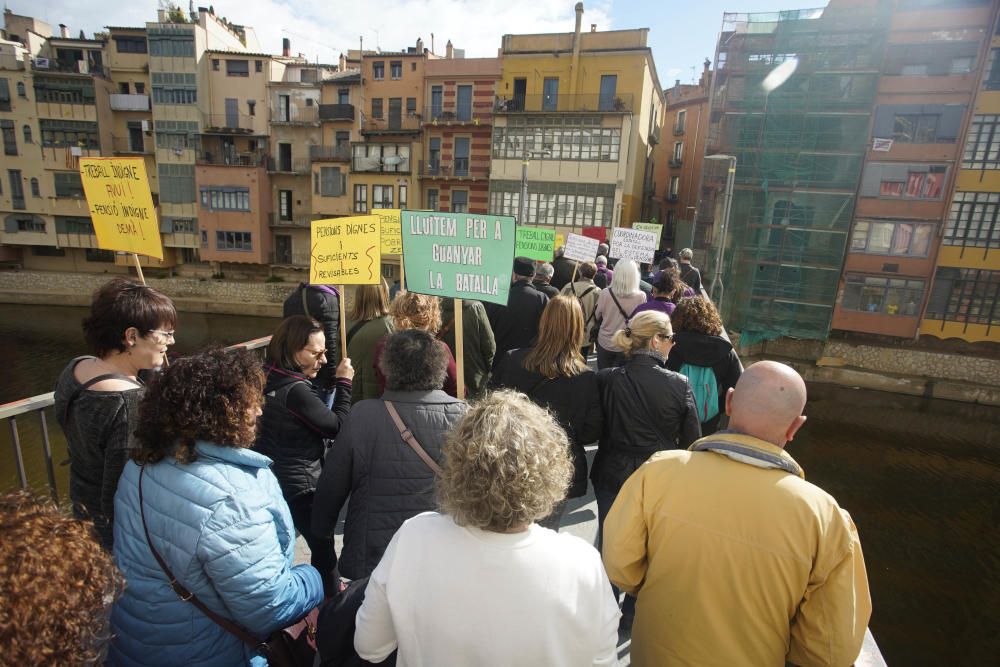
{"x":292,"y":646}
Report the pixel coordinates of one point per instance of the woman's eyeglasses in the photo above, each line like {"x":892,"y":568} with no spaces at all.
{"x":167,"y":335}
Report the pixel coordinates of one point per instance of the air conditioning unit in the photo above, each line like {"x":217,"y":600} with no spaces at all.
{"x":147,"y":126}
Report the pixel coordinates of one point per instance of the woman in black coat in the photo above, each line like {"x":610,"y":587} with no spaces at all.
{"x":554,"y":375}
{"x":296,"y":426}
{"x":699,"y":341}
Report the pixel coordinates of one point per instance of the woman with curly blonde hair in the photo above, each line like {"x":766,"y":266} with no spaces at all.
{"x":490,"y":566}
{"x":55,"y":608}
{"x":410,"y":310}
{"x":198,"y":507}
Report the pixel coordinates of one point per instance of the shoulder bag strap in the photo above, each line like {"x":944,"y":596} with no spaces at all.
{"x":353,"y":330}
{"x":91,"y":382}
{"x":408,"y":437}
{"x":617,"y":303}
{"x":580,"y":299}
{"x":187,"y":596}
{"x":305,"y":304}
{"x":649,"y":414}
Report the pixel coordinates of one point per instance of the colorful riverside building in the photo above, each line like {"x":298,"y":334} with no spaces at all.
{"x":964,"y":298}
{"x":54,"y":109}
{"x":678,"y":158}
{"x":842,"y":216}
{"x":458,"y":122}
{"x":576,"y":118}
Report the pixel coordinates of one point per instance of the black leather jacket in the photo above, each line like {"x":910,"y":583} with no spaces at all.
{"x":646,"y":409}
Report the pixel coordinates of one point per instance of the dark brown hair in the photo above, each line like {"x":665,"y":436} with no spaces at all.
{"x":669,"y":284}
{"x":207,"y":396}
{"x":119,"y":304}
{"x":696,"y":314}
{"x":291,"y":337}
{"x":57,"y":585}
{"x":587,"y":270}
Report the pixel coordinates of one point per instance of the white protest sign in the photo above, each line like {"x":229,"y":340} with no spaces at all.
{"x":581,"y":248}
{"x":633,"y":244}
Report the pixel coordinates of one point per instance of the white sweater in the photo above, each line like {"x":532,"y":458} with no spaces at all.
{"x":448,"y":595}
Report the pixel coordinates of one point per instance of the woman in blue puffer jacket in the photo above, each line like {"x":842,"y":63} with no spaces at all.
{"x":216,"y":516}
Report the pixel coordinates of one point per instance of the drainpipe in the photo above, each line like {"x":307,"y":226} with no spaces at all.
{"x":575,"y":60}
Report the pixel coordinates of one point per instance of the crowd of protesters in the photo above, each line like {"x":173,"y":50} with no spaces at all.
{"x":196,"y":477}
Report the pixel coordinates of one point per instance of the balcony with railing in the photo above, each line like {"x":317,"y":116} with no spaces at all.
{"x":132,"y":145}
{"x":478,"y":113}
{"x":336,"y":112}
{"x":251,"y":159}
{"x":330,"y":153}
{"x":299,"y":165}
{"x":462,"y":169}
{"x":295,"y":221}
{"x":296,"y":115}
{"x":589,"y":103}
{"x":227,"y":123}
{"x":123,"y":102}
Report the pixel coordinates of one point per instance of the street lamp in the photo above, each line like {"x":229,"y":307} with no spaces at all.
{"x":726,"y":209}
{"x":522,"y":212}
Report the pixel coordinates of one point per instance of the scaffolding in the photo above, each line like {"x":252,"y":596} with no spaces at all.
{"x":799,"y":151}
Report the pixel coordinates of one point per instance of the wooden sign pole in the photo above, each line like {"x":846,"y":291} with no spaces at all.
{"x":402,"y":275}
{"x":343,"y":322}
{"x":138,"y":268}
{"x":576,"y":265}
{"x":459,"y":349}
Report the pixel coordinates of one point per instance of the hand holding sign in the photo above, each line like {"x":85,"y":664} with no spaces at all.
{"x":346,"y":251}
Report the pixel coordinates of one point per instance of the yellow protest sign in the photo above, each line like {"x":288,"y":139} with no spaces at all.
{"x":392,"y":236}
{"x":345,"y":251}
{"x":560,"y":240}
{"x":121,"y":205}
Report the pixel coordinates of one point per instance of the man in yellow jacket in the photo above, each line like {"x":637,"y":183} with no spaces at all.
{"x":734,"y":557}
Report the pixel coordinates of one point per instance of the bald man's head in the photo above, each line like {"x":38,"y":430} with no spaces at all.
{"x":767,"y":402}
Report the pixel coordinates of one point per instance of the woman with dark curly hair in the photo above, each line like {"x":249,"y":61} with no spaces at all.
{"x":554,"y":374}
{"x":504,"y":591}
{"x":708,"y":359}
{"x":129,"y":329}
{"x":297,"y":426}
{"x":198,"y":498}
{"x":55,"y":608}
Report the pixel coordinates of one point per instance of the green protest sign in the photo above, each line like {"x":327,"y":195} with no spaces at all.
{"x":537,"y":244}
{"x":459,"y":255}
{"x":649,"y":227}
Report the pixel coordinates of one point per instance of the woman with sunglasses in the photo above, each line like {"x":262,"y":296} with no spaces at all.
{"x":647,"y":408}
{"x":296,"y":425}
{"x":129,"y":329}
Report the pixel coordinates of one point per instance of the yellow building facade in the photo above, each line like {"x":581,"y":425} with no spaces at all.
{"x":964,"y":302}
{"x":584,"y":110}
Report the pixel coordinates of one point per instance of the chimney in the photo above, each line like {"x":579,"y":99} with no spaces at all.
{"x":593,"y":27}
{"x":432,"y":42}
{"x":575,"y":60}
{"x":63,"y":30}
{"x":420,"y":47}
{"x":343,"y":61}
{"x":161,"y":15}
{"x":449,"y":50}
{"x":286,"y":47}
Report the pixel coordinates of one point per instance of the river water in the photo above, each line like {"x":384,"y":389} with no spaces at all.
{"x":921,"y":478}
